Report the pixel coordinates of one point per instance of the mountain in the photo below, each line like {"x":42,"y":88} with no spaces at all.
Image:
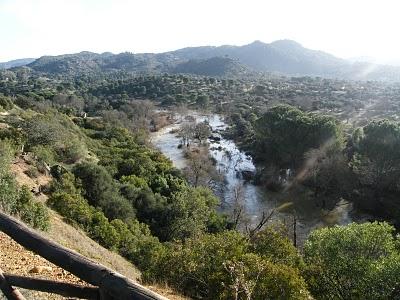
{"x":284,"y":57}
{"x":88,"y":62}
{"x":16,"y":63}
{"x":214,"y":66}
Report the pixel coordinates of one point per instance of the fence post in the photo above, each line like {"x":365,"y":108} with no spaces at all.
{"x":118,"y":286}
{"x":8,"y":291}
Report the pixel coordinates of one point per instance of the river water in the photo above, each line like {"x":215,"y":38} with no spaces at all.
{"x":230,"y":162}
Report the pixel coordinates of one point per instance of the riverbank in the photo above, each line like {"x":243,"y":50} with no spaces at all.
{"x":232,"y":163}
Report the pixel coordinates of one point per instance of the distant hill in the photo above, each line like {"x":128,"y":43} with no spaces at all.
{"x":16,"y":63}
{"x":87,"y":62}
{"x":284,"y":57}
{"x":214,"y":66}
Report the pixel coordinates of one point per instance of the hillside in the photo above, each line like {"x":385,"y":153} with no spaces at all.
{"x":16,"y":63}
{"x":284,"y":57}
{"x":92,"y":134}
{"x":214,"y":66}
{"x":19,"y":261}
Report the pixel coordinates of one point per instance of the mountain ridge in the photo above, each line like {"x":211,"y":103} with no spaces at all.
{"x":16,"y":63}
{"x":283,"y":57}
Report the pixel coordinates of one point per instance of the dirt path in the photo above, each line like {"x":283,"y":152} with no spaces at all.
{"x":15,"y":259}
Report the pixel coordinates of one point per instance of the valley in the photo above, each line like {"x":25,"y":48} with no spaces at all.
{"x":231,"y":163}
{"x":201,"y":173}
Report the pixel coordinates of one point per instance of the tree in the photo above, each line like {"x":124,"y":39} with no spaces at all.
{"x":221,"y":266}
{"x":284,"y":134}
{"x":252,"y":277}
{"x":202,"y":101}
{"x":238,"y":211}
{"x":6,"y":102}
{"x":357,"y":261}
{"x":99,"y":189}
{"x":376,"y":164}
{"x":378,"y":160}
{"x":273,"y":245}
{"x":186,"y":133}
{"x":200,"y":170}
{"x":189,"y":212}
{"x":202,"y":131}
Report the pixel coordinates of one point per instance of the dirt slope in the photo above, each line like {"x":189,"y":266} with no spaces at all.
{"x":17,"y":260}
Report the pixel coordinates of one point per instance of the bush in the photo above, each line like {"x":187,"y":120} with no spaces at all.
{"x":44,"y":154}
{"x":130,"y":238}
{"x":21,"y":204}
{"x":32,"y":172}
{"x":6,"y":102}
{"x":273,"y":245}
{"x":220,"y":266}
{"x":252,"y":277}
{"x":19,"y":201}
{"x":102,"y":231}
{"x":8,"y":194}
{"x":72,"y":207}
{"x":31,"y":212}
{"x":358,"y":261}
{"x":100,"y":189}
{"x":71,"y":151}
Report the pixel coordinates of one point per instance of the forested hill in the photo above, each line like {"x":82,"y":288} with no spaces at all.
{"x":88,"y":62}
{"x":16,"y":63}
{"x":214,"y":66}
{"x":283,"y":57}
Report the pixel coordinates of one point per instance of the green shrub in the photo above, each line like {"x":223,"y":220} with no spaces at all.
{"x":32,"y":212}
{"x":18,"y":201}
{"x":32,"y":172}
{"x":44,"y":154}
{"x":8,"y":194}
{"x":72,"y":207}
{"x":130,"y":238}
{"x":357,"y":261}
{"x":71,"y":151}
{"x":219,"y":266}
{"x":102,"y":231}
{"x":252,"y":277}
{"x":6,"y":102}
{"x":273,"y":245}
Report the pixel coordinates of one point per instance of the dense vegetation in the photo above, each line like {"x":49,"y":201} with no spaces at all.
{"x":92,"y":130}
{"x":15,"y":200}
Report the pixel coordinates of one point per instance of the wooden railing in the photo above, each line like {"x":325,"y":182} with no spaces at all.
{"x":107,"y":283}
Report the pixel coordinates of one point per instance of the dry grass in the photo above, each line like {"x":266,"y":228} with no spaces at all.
{"x":78,"y":241}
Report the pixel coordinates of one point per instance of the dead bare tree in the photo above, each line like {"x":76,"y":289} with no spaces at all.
{"x":264,"y":219}
{"x":241,"y":283}
{"x":238,"y":213}
{"x":200,"y":170}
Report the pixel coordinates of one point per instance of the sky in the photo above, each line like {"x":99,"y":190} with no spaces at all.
{"x":344,"y":28}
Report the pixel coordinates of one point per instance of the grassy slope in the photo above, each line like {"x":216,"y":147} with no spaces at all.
{"x":68,"y":236}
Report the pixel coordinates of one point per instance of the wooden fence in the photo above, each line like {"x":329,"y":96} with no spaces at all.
{"x":107,"y":283}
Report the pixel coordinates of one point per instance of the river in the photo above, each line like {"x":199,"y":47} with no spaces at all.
{"x":230,"y":162}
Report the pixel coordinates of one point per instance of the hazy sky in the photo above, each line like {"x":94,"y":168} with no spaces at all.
{"x":345,"y":28}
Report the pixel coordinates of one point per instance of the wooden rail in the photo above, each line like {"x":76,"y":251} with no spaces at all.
{"x":111,"y":285}
{"x":49,"y":286}
{"x":8,"y":290}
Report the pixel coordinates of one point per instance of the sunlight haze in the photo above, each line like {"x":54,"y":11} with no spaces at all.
{"x":347,"y":29}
